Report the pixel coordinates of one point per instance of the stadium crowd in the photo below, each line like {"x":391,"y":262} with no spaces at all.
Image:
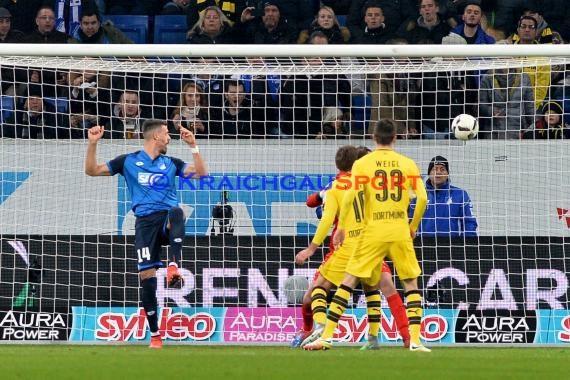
{"x":510,"y":103}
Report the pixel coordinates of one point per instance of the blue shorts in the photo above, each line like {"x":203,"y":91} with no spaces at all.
{"x":150,"y":235}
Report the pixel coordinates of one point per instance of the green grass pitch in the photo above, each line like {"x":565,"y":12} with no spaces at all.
{"x":62,"y":362}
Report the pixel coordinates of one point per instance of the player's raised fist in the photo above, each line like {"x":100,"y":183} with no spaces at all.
{"x":95,"y":133}
{"x":187,"y":136}
{"x":302,"y":256}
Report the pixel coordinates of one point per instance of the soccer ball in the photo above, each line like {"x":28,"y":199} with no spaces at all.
{"x":465,"y":127}
{"x":295,"y":288}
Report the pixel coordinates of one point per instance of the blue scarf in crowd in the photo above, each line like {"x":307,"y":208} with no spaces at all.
{"x":70,"y":26}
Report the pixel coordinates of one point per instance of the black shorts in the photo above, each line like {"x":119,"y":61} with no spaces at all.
{"x":150,"y":236}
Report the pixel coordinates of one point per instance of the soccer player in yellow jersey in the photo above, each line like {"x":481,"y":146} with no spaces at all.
{"x":383,"y":180}
{"x":331,"y":272}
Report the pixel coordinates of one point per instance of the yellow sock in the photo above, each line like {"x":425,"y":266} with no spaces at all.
{"x":414,"y":312}
{"x":374,"y":311}
{"x":319,"y":305}
{"x":336,"y":310}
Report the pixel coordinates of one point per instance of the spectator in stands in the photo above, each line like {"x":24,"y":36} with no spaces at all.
{"x":470,"y":30}
{"x":53,"y":83}
{"x":24,"y":12}
{"x":430,"y":27}
{"x":303,"y":98}
{"x":25,"y":78}
{"x":557,"y":12}
{"x":449,"y":212}
{"x":358,"y":85}
{"x":375,"y":31}
{"x":549,"y":124}
{"x":392,"y":94}
{"x":134,"y":7}
{"x":191,"y":111}
{"x":327,"y":23}
{"x":461,"y":87}
{"x":45,"y":32}
{"x":175,"y":7}
{"x":318,"y":38}
{"x":235,"y":118}
{"x":297,"y":13}
{"x":232,"y":9}
{"x":151,"y":89}
{"x":506,"y":14}
{"x":559,"y":92}
{"x":270,"y":28}
{"x":527,"y":31}
{"x":454,"y":8}
{"x":212,"y":84}
{"x":35,"y":118}
{"x":213,"y":27}
{"x":90,"y":99}
{"x":394,"y":11}
{"x":506,"y":104}
{"x":92,"y":31}
{"x":7,"y":34}
{"x":442,"y":95}
{"x":126,"y":120}
{"x":544,"y":34}
{"x":407,"y":131}
{"x":334,"y":124}
{"x":264,"y":93}
{"x":68,"y":14}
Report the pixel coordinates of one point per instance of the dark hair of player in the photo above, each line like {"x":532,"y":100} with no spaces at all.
{"x":151,"y":125}
{"x":384,"y":131}
{"x":362,"y":151}
{"x":345,"y":157}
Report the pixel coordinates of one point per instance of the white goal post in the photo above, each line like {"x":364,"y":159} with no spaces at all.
{"x":67,"y":266}
{"x":221,"y":50}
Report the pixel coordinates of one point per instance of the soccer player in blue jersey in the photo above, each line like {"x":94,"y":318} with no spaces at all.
{"x":150,"y":177}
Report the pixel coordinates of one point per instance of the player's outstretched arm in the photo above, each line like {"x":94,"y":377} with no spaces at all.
{"x":304,"y":255}
{"x":420,"y":207}
{"x":92,"y":168}
{"x":198,"y":168}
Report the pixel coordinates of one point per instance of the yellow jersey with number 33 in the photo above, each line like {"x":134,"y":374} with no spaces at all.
{"x":383,"y":181}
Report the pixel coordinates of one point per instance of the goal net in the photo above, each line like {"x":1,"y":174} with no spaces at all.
{"x":268,"y":123}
